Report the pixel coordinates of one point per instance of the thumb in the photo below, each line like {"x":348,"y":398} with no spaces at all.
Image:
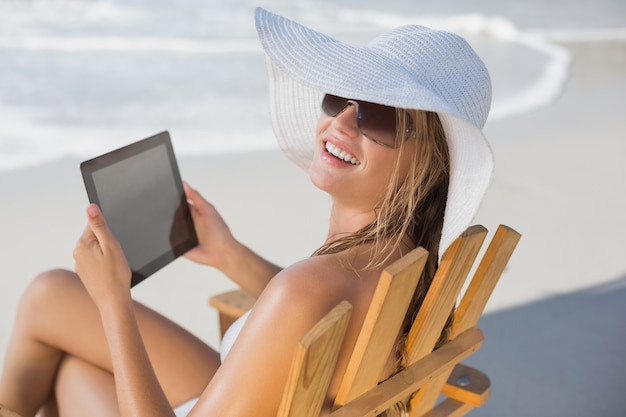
{"x":97,"y":223}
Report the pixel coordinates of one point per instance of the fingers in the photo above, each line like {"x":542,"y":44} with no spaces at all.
{"x":198,"y":205}
{"x":88,"y":239}
{"x":97,"y":233}
{"x":99,"y":258}
{"x":192,"y":195}
{"x":98,"y":224}
{"x":188,"y":190}
{"x":86,"y":245}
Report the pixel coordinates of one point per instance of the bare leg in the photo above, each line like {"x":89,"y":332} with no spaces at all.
{"x":56,"y":318}
{"x":83,"y":389}
{"x":49,"y":409}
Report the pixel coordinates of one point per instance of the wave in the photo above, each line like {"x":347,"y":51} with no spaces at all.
{"x":581,"y":35}
{"x":26,"y":144}
{"x":129,"y":44}
{"x":543,"y":90}
{"x":26,"y":141}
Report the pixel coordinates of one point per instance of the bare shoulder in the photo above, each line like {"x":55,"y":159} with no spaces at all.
{"x":319,"y":272}
{"x":313,"y":283}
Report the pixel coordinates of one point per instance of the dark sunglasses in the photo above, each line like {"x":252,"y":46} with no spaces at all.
{"x":376,"y":122}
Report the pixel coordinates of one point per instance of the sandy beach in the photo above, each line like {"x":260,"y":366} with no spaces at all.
{"x":555,"y":329}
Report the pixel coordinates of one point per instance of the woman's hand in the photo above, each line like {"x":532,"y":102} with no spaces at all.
{"x":218,"y":248}
{"x":215,"y":241}
{"x":100,"y":262}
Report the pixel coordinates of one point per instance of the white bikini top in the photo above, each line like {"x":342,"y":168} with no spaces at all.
{"x":231,"y":335}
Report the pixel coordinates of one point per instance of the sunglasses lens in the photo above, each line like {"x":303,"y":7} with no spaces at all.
{"x":378,"y":122}
{"x":333,"y":105}
{"x":375,"y":121}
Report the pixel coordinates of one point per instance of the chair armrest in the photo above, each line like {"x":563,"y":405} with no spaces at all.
{"x":230,"y":306}
{"x":465,"y":389}
{"x":468,"y":385}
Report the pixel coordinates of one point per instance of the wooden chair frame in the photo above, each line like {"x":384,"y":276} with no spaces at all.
{"x":430,"y":374}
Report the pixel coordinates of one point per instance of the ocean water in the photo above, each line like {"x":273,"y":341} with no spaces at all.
{"x":82,"y":77}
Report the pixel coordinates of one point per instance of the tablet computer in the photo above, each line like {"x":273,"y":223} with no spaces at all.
{"x":140,"y":192}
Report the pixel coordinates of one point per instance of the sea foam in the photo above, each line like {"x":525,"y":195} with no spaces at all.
{"x":68,"y":116}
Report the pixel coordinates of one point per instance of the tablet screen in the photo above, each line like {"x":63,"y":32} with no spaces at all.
{"x":139,"y":190}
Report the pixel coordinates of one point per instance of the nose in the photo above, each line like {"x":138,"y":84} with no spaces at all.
{"x":346,"y":121}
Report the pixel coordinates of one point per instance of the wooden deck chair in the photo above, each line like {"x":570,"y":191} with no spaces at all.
{"x":430,"y":374}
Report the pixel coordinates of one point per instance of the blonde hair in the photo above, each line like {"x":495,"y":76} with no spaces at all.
{"x":412,"y":206}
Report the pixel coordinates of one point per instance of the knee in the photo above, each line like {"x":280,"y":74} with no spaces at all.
{"x":84,"y":389}
{"x":67,"y":373}
{"x":47,"y":287}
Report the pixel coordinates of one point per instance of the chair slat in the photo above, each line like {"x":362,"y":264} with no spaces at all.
{"x":381,"y":325}
{"x":314,"y":364}
{"x":443,"y":292}
{"x":485,"y":278}
{"x":472,"y":305}
{"x":455,"y":265}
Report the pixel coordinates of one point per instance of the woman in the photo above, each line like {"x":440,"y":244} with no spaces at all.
{"x":399,"y":149}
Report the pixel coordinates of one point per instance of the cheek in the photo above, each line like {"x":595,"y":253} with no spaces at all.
{"x":382,"y":162}
{"x":379,"y":167}
{"x":322,"y":124}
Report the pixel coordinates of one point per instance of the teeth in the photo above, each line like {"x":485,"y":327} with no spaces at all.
{"x":335,"y":151}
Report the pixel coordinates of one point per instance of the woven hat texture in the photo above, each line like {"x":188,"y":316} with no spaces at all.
{"x":411,"y":67}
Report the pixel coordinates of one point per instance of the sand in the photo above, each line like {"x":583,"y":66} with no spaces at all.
{"x":555,"y":326}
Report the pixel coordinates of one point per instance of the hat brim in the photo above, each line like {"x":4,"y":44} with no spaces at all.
{"x":318,"y":61}
{"x":304,"y":64}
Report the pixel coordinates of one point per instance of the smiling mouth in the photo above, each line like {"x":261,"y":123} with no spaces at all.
{"x":339,"y":154}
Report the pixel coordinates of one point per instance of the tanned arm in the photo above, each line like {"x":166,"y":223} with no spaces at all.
{"x":218,"y":248}
{"x":102,"y":267}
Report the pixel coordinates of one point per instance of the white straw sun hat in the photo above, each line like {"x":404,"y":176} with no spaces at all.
{"x":411,"y":67}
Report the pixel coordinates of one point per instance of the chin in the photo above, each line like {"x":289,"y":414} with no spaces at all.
{"x":319,"y":179}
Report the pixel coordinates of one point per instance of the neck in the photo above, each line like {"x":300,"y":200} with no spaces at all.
{"x":347,"y":220}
